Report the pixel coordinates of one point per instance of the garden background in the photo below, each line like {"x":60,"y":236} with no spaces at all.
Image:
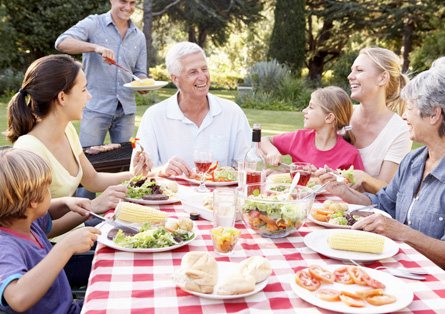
{"x":283,"y":49}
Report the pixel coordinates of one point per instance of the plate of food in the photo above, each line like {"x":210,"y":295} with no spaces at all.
{"x":340,"y":215}
{"x":285,"y":178}
{"x":201,"y":275}
{"x":351,"y":245}
{"x":154,"y":191}
{"x":148,"y":84}
{"x":216,"y":176}
{"x":151,"y":238}
{"x":201,"y":203}
{"x":225,"y":268}
{"x":386,"y":295}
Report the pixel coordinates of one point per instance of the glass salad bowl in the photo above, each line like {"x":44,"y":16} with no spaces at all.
{"x":269,"y":212}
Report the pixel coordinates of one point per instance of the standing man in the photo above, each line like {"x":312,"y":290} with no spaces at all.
{"x":192,"y":118}
{"x":112,"y":107}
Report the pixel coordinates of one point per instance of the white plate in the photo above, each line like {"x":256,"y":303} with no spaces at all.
{"x":182,"y":192}
{"x":208,"y":183}
{"x":352,"y":207}
{"x":194,"y":204}
{"x":157,"y":85}
{"x":105,"y":228}
{"x":394,"y":286}
{"x":225,"y":268}
{"x":317,"y":241}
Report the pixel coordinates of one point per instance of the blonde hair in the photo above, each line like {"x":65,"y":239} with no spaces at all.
{"x":333,"y":99}
{"x":24,"y":178}
{"x":388,"y":61}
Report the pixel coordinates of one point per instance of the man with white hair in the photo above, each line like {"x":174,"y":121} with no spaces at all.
{"x":192,"y":118}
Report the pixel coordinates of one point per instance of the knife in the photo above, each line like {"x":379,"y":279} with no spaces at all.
{"x":364,"y":207}
{"x":116,"y":224}
{"x":285,"y":166}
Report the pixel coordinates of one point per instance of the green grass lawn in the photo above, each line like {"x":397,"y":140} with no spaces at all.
{"x":272,"y":122}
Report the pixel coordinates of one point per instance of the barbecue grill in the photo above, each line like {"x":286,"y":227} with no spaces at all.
{"x":116,"y":160}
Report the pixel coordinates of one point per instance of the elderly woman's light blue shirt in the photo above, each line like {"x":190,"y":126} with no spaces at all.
{"x":427,"y":214}
{"x":106,"y":82}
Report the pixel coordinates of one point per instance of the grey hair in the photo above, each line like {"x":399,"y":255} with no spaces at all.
{"x":427,"y":91}
{"x":439,"y":62}
{"x":179,"y":51}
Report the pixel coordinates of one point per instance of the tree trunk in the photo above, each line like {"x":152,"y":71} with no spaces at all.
{"x":407,"y":42}
{"x":316,"y":67}
{"x":147,"y":29}
{"x":202,"y":37}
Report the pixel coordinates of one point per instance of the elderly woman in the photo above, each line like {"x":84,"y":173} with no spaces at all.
{"x":415,"y":197}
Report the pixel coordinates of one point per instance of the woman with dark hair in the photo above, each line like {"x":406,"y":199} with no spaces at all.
{"x":52,"y":95}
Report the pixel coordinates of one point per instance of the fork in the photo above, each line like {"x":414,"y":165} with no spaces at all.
{"x":397,"y":272}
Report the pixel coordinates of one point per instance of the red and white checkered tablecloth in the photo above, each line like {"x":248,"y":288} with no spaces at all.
{"x":124,"y":283}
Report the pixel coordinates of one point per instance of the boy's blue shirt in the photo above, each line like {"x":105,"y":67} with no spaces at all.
{"x":19,"y":254}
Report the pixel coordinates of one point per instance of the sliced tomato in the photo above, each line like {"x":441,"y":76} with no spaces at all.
{"x":350,"y":294}
{"x":323,"y":211}
{"x":306,"y":280}
{"x":329,"y":295}
{"x":368,"y":292}
{"x":254,"y":213}
{"x":321,"y":274}
{"x":319,"y":217}
{"x":373,"y":283}
{"x":342,"y":276}
{"x":353,"y":302}
{"x":357,"y":274}
{"x":381,"y":299}
{"x":268,"y":220}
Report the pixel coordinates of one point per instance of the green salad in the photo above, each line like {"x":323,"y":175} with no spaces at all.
{"x":140,"y":186}
{"x":223,"y":174}
{"x":152,"y":237}
{"x":268,"y":214}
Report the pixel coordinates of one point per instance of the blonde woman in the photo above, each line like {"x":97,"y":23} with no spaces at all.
{"x":382,"y":137}
{"x":328,"y":113}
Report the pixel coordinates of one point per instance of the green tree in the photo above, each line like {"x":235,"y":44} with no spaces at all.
{"x":32,"y":27}
{"x":287,"y":44}
{"x":211,"y":19}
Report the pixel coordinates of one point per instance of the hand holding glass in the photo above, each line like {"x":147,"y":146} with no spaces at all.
{"x":203,"y":158}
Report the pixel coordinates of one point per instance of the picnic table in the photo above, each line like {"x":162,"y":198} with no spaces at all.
{"x":126,"y":282}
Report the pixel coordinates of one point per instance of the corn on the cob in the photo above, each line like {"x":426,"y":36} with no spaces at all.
{"x":137,"y":213}
{"x":358,"y":241}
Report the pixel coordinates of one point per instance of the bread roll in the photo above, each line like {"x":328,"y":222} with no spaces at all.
{"x":195,"y":280}
{"x":236,"y":284}
{"x":256,"y":266}
{"x":198,"y":272}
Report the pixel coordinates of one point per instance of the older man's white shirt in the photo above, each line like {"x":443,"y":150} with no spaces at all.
{"x":165,"y":132}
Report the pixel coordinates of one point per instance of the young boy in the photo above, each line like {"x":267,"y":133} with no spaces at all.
{"x":32,"y":279}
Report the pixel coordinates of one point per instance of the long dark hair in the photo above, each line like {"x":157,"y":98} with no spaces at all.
{"x":44,"y":79}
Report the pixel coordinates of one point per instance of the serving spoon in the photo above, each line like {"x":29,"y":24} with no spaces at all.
{"x":293,"y":185}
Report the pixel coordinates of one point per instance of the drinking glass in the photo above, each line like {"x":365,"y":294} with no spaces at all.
{"x":224,"y":235}
{"x":203,"y":158}
{"x":304,"y":168}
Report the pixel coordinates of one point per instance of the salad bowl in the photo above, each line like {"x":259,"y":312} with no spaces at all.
{"x":269,"y":213}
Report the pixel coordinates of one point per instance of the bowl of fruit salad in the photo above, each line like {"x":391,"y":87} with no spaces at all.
{"x":271,"y":213}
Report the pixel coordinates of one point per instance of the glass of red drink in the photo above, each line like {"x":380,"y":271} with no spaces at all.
{"x":203,"y":158}
{"x":304,"y":168}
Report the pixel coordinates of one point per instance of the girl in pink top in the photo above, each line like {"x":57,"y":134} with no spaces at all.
{"x":329,"y":113}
